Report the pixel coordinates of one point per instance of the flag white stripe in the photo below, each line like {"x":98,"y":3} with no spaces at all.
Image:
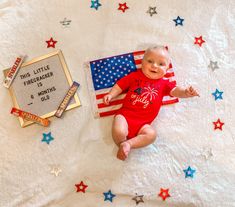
{"x":138,"y":57}
{"x":166,"y":98}
{"x":109,"y":108}
{"x":120,"y":97}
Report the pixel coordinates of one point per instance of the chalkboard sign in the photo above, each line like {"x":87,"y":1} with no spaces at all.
{"x":41,"y":85}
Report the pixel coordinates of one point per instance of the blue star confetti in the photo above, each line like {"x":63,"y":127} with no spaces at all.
{"x":189,"y":172}
{"x":95,"y":4}
{"x":178,"y":21}
{"x":47,"y":138}
{"x":108,"y":196}
{"x":217,"y":94}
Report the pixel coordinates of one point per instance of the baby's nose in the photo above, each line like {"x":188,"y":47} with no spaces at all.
{"x":154,"y":65}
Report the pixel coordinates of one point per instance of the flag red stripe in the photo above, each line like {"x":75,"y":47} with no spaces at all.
{"x":137,"y":62}
{"x":99,"y":96}
{"x":170,"y":101}
{"x":108,"y":113}
{"x":168,"y":75}
{"x":139,"y":52}
{"x":102,"y":105}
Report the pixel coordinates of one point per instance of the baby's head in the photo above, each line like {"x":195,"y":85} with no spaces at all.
{"x":155,"y":62}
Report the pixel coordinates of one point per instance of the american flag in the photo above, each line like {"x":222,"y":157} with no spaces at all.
{"x":103,"y":74}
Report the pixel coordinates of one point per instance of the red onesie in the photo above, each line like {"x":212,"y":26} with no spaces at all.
{"x":143,"y":99}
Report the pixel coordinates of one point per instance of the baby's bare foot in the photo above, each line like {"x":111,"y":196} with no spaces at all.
{"x":123,"y":151}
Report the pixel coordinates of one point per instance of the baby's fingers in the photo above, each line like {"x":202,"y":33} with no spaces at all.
{"x":106,"y":100}
{"x":193,"y":91}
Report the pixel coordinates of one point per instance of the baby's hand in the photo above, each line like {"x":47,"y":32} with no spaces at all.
{"x":107,"y":98}
{"x":190,"y":92}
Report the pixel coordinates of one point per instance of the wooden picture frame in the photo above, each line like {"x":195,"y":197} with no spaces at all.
{"x":41,"y":85}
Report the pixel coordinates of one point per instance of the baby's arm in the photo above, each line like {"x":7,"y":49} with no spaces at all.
{"x":114,"y":92}
{"x":183,"y":92}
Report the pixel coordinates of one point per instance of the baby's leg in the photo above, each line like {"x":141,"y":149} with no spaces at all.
{"x":119,"y":129}
{"x":146,"y":136}
{"x":120,"y":132}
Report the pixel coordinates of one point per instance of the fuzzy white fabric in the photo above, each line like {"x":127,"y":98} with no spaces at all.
{"x":83,"y":147}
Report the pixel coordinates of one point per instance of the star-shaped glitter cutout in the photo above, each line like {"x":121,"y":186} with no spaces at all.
{"x":152,"y":10}
{"x":217,"y":94}
{"x":47,"y":138}
{"x":108,"y":196}
{"x":51,"y":43}
{"x":65,"y":22}
{"x":81,"y":187}
{"x":213,"y":65}
{"x":178,"y":21}
{"x":199,"y":41}
{"x":56,"y":170}
{"x":207,"y":153}
{"x":164,"y":193}
{"x":189,"y":172}
{"x":123,"y":7}
{"x":95,"y":4}
{"x":138,"y":199}
{"x":218,"y":124}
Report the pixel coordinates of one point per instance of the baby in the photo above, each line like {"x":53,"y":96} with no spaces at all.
{"x":145,"y":89}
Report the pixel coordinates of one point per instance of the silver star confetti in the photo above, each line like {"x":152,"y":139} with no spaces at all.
{"x":56,"y":170}
{"x":65,"y":22}
{"x":138,"y":199}
{"x":152,"y":10}
{"x":213,"y":65}
{"x":207,"y":153}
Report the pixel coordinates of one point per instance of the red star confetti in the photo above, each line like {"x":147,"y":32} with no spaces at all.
{"x":199,"y":41}
{"x":218,"y":124}
{"x":81,"y":187}
{"x":164,"y":193}
{"x":123,"y":7}
{"x":51,"y":43}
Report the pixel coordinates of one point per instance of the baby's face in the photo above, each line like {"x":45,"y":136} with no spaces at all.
{"x":155,"y":63}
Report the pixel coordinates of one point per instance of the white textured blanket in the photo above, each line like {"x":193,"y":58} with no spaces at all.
{"x":34,"y":173}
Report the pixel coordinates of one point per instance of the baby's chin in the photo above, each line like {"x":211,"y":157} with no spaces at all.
{"x":153,"y":75}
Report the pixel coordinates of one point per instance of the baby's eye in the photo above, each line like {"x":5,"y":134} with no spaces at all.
{"x":161,"y":64}
{"x":150,"y":61}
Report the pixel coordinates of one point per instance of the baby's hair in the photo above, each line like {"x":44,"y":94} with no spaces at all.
{"x":154,"y":47}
